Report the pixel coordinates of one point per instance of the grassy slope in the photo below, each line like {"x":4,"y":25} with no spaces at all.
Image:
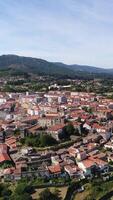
{"x":95,"y":191}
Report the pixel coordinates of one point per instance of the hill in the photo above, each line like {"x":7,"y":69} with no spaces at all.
{"x":14,"y":63}
{"x":20,"y":64}
{"x":86,"y":68}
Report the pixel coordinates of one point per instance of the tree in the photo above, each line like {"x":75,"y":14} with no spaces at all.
{"x":23,"y":188}
{"x":47,"y":140}
{"x":12,"y":108}
{"x":83,"y":130}
{"x":17,"y":132}
{"x":1,"y":189}
{"x":70,"y":129}
{"x":24,"y":196}
{"x":22,"y":141}
{"x":77,"y":132}
{"x":23,"y":191}
{"x":85,"y":108}
{"x":41,"y":140}
{"x":67,"y":131}
{"x":48,"y":195}
{"x":79,"y":119}
{"x":5,"y":192}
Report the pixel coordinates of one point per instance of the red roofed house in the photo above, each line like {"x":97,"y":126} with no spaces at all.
{"x":8,"y":174}
{"x":55,"y":130}
{"x":73,"y":151}
{"x":101,"y":164}
{"x":11,"y":142}
{"x":87,"y":166}
{"x":4,"y":157}
{"x":55,"y":170}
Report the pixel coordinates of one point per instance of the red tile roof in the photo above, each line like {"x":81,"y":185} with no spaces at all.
{"x":55,"y":168}
{"x":88,"y":163}
{"x":11,"y":142}
{"x":56,"y":127}
{"x":4,"y":157}
{"x":97,"y":161}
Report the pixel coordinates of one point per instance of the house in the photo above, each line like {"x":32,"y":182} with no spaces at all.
{"x":11,"y":142}
{"x":91,"y":147}
{"x":96,"y":154}
{"x":108,"y":145}
{"x":87,"y":166}
{"x":67,"y":159}
{"x":81,"y":156}
{"x":73,"y":151}
{"x":30,"y":120}
{"x":62,"y":99}
{"x":21,"y":164}
{"x":87,"y":126}
{"x":4,"y":155}
{"x":55,"y":130}
{"x":49,"y":121}
{"x":34,"y":129}
{"x":101,"y":165}
{"x":2,"y":100}
{"x":55,"y":159}
{"x":55,"y":170}
{"x":98,"y":128}
{"x":33,"y":111}
{"x":73,"y":171}
{"x":28,"y":99}
{"x":49,"y":108}
{"x":87,"y":139}
{"x":26,"y":150}
{"x":8,"y":174}
{"x":17,"y":174}
{"x":106,"y":136}
{"x":110,"y":158}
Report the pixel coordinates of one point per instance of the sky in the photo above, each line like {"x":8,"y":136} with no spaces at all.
{"x":69,"y":31}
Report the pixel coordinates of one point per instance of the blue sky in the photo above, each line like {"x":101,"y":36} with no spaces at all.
{"x":70,"y":31}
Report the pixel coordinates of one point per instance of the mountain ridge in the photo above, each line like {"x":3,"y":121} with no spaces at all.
{"x":85,"y":67}
{"x":42,"y":67}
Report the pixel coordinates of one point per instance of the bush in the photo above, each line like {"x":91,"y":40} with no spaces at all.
{"x":47,"y":140}
{"x":48,"y":195}
{"x":39,"y":141}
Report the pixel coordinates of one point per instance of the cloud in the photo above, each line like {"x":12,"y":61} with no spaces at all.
{"x":72,"y":31}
